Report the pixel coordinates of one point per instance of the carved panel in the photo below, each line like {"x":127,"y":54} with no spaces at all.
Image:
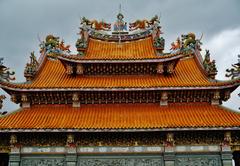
{"x":120,"y":161}
{"x":198,"y":161}
{"x":43,"y":162}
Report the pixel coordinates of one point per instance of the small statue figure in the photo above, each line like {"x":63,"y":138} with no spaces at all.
{"x":235,"y":71}
{"x":70,"y":140}
{"x":176,"y":45}
{"x":97,"y":25}
{"x":5,"y":74}
{"x":63,"y":47}
{"x":13,"y":140}
{"x":143,"y":24}
{"x":227,"y":139}
{"x":209,"y":66}
{"x":120,"y":25}
{"x":169,"y":140}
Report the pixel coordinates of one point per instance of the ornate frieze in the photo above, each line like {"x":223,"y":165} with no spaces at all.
{"x":43,"y":162}
{"x":120,"y":161}
{"x":198,"y":160}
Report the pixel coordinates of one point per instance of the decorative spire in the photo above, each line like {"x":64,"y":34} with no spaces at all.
{"x":209,"y":66}
{"x":31,"y":68}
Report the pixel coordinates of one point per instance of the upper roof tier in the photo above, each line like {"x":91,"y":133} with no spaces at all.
{"x":130,"y":50}
{"x":52,"y":76}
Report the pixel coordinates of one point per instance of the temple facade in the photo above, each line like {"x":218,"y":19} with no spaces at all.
{"x":121,"y":100}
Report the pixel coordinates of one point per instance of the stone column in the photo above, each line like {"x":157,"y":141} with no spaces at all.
{"x":14,"y":155}
{"x":169,"y":150}
{"x":71,"y":151}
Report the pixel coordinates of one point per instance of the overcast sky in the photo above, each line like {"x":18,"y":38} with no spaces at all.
{"x":21,"y":21}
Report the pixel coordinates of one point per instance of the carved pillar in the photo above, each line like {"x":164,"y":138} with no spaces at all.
{"x":79,"y":69}
{"x":216,"y":98}
{"x":14,"y":155}
{"x":164,"y":99}
{"x":169,"y":150}
{"x":226,"y":154}
{"x":75,"y":100}
{"x":25,"y":102}
{"x":160,"y":68}
{"x":71,"y":151}
{"x":69,"y":69}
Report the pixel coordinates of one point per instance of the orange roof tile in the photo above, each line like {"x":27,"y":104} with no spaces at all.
{"x":53,"y":76}
{"x":124,"y":116}
{"x":139,"y":49}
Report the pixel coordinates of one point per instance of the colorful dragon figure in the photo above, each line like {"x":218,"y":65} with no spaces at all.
{"x":97,"y":25}
{"x":190,"y":41}
{"x":143,"y":24}
{"x":5,"y":74}
{"x":235,"y":71}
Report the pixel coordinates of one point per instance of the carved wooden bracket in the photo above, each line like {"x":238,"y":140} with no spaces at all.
{"x":69,"y":69}
{"x":75,"y":100}
{"x":164,"y":99}
{"x":167,"y":68}
{"x":79,"y":69}
{"x":24,"y":101}
{"x":215,"y":98}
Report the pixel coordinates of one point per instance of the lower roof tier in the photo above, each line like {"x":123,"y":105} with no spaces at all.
{"x":53,"y":76}
{"x":121,"y":117}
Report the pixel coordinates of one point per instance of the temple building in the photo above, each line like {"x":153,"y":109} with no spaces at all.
{"x":120,"y":100}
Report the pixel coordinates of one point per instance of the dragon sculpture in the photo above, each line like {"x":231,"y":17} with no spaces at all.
{"x":143,"y":24}
{"x":97,"y":25}
{"x":5,"y":74}
{"x":53,"y":45}
{"x":234,"y":72}
{"x":209,"y":66}
{"x":190,"y":41}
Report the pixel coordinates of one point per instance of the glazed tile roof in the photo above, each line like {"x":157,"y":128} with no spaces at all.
{"x":139,"y":49}
{"x":53,"y":76}
{"x":124,"y":116}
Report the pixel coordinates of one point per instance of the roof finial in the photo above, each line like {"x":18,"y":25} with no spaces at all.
{"x":120,"y":8}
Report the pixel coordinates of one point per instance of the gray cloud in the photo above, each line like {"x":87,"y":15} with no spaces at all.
{"x":22,"y":21}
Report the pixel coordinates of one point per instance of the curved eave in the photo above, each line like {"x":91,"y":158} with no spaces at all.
{"x":230,"y":84}
{"x":121,"y":130}
{"x":158,"y":59}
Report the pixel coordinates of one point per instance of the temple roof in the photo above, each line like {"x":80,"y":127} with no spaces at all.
{"x":122,"y":116}
{"x":52,"y":76}
{"x":129,"y":50}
